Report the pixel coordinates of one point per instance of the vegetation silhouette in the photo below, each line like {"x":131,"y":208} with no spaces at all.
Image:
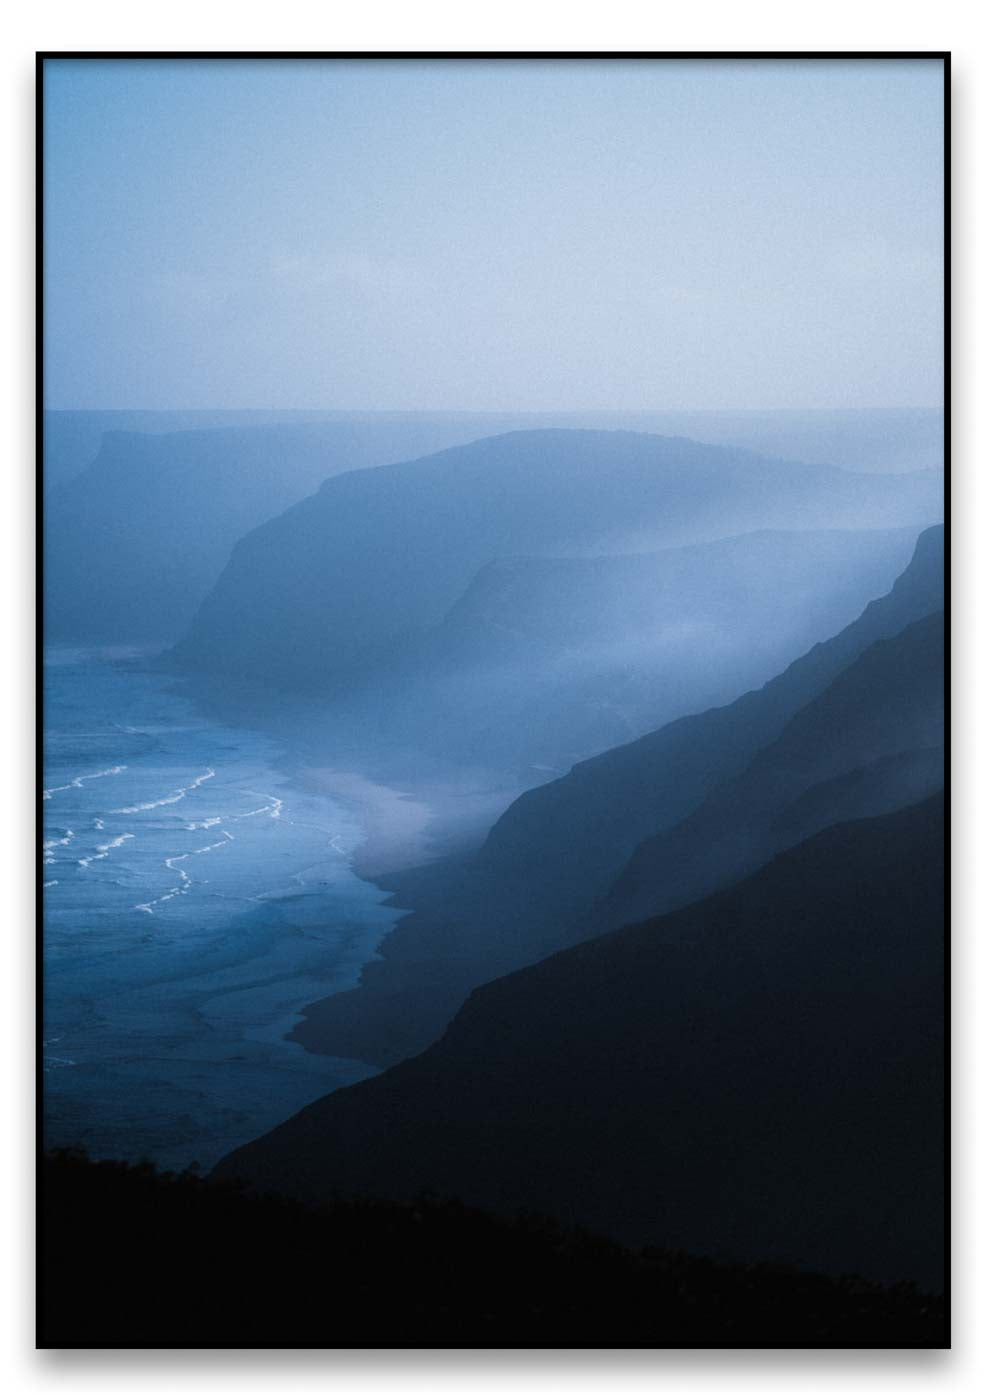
{"x":134,"y":1257}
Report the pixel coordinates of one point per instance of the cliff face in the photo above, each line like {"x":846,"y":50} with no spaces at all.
{"x":542,"y":662}
{"x":135,"y":541}
{"x":869,"y":743}
{"x":546,"y":661}
{"x":769,"y":584}
{"x":345,"y":578}
{"x":559,"y":848}
{"x":143,"y":509}
{"x":757,"y":1075}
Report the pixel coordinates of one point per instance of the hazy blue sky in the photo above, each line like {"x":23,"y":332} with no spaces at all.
{"x":493,"y":235}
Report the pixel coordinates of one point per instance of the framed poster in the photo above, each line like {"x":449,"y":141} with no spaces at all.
{"x":491,"y":825}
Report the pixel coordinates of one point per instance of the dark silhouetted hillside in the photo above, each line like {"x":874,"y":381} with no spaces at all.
{"x":132,"y":1258}
{"x":871,"y":742}
{"x":757,"y":1076}
{"x":560,"y":847}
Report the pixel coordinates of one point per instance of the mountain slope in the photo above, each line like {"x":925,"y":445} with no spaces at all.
{"x":757,"y":1075}
{"x":346,"y":577}
{"x":544,"y":661}
{"x":560,"y":847}
{"x":144,"y":508}
{"x":135,"y":541}
{"x":873,"y":740}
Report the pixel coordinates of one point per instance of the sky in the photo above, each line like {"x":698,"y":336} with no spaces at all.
{"x":493,"y":235}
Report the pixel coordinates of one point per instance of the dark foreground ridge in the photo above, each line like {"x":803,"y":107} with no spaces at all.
{"x":138,"y":1258}
{"x":759,"y":1074}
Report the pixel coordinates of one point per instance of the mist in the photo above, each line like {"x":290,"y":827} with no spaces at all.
{"x":512,"y":236}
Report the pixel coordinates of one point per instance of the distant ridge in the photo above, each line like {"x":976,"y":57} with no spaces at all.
{"x":375,"y":557}
{"x":900,"y":440}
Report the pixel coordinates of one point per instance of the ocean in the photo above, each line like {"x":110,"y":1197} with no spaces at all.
{"x":195,"y":899}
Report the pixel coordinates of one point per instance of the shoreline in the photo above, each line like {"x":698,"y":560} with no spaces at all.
{"x":407,"y":835}
{"x":395,"y":823}
{"x":211,"y":1000}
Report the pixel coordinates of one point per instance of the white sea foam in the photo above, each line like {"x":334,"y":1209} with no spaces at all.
{"x":103,"y":851}
{"x":173,"y":864}
{"x":203,"y":826}
{"x":175,"y":796}
{"x":84,"y":778}
{"x":273,"y":809}
{"x":117,"y":841}
{"x":201,"y":850}
{"x":149,"y":806}
{"x":64,"y":840}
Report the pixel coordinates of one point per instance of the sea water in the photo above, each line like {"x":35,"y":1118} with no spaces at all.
{"x":195,"y":899}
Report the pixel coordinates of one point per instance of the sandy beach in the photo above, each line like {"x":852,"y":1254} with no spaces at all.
{"x":395,"y":822}
{"x":407,"y":828}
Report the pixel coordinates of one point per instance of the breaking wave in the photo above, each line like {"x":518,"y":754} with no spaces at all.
{"x":83,"y":778}
{"x":175,"y":796}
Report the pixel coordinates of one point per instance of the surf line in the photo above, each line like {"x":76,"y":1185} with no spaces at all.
{"x":83,"y":778}
{"x":50,"y":845}
{"x":274,"y":810}
{"x":175,"y":796}
{"x":172,"y":864}
{"x":103,"y":851}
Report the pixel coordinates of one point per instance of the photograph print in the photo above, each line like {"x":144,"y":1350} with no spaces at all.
{"x":491,"y":819}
